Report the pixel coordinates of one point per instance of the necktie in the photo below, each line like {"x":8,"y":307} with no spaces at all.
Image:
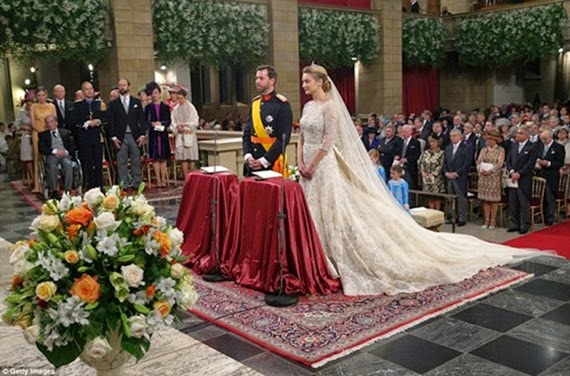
{"x":54,"y":134}
{"x":521,"y":145}
{"x":125,"y":104}
{"x":455,"y":149}
{"x":405,"y":147}
{"x":545,"y":151}
{"x":62,"y":109}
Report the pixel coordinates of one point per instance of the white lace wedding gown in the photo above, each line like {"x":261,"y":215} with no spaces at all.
{"x":370,"y":242}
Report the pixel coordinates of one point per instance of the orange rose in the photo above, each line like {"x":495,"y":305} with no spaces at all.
{"x":80,"y":216}
{"x":150,"y":291}
{"x":72,"y":231}
{"x":71,"y":256}
{"x":86,"y":288}
{"x":31,"y":242}
{"x":164,"y":241}
{"x":162,"y":307}
{"x":17,"y":281}
{"x":142,"y":231}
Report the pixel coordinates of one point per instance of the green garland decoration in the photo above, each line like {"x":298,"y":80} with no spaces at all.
{"x":500,"y":39}
{"x":54,"y":30}
{"x":424,"y":41}
{"x":335,"y":39}
{"x":210,"y":32}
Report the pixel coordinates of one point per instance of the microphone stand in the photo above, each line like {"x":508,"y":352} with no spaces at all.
{"x":214,"y":275}
{"x":281,"y":298}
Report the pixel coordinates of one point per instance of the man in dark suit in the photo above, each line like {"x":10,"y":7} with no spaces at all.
{"x":520,"y":162}
{"x":550,"y":159}
{"x":389,"y":147}
{"x":63,"y":107}
{"x":57,"y":146}
{"x":410,"y":155}
{"x":457,"y":162}
{"x":127,"y":131}
{"x":88,"y":119}
{"x":437,"y":129}
{"x":269,"y":119}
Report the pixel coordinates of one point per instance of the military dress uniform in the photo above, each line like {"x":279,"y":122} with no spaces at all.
{"x":89,"y":139}
{"x":269,"y":119}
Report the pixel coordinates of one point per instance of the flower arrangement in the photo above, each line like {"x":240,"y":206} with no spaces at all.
{"x":294,"y":173}
{"x":423,"y":41}
{"x":215,"y":32}
{"x":336,"y":39}
{"x":500,"y":39}
{"x":54,"y":30}
{"x":101,"y":264}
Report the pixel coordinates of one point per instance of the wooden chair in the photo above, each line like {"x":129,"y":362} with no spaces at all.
{"x":562,"y":194}
{"x":146,"y":165}
{"x":173,"y":165}
{"x":537,"y":199}
{"x":503,"y":204}
{"x":472,"y":190}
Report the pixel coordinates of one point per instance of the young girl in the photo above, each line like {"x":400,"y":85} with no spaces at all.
{"x":375,"y":158}
{"x":398,"y":186}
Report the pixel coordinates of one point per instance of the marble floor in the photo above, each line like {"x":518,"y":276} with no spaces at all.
{"x":524,"y":330}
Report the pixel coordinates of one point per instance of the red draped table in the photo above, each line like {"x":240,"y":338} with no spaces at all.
{"x":256,"y":266}
{"x":194,"y":219}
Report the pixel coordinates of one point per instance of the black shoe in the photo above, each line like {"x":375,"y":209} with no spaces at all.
{"x":523,"y":231}
{"x":461,"y":223}
{"x":512,"y":229}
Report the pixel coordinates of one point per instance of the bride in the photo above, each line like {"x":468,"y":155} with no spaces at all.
{"x":371,"y":243}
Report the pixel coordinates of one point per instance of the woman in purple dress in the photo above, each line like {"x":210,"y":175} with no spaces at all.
{"x":157,"y":115}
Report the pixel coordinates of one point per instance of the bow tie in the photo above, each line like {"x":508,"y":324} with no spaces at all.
{"x":266,"y":98}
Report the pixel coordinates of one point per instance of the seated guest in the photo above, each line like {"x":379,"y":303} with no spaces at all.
{"x":57,"y":146}
{"x":399,"y":187}
{"x":375,"y":158}
{"x":431,"y":170}
{"x":489,"y":188}
{"x":369,"y":138}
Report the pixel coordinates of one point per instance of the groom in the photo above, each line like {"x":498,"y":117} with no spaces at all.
{"x":267,"y":127}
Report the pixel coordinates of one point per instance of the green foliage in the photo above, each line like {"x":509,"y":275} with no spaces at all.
{"x":499,"y":39}
{"x":423,"y":41}
{"x":333,"y":39}
{"x":210,"y":32}
{"x":53,"y":30}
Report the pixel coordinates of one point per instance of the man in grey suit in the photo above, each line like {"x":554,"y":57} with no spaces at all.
{"x":457,"y":162}
{"x":126,"y":120}
{"x":520,"y":163}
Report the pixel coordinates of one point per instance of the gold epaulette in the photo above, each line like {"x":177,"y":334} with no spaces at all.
{"x":281,"y":97}
{"x":256,"y":98}
{"x":103,"y":106}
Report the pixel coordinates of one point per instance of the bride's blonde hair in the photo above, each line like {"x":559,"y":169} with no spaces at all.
{"x":319,"y":73}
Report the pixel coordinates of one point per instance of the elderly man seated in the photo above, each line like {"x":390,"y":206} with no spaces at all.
{"x":57,"y":145}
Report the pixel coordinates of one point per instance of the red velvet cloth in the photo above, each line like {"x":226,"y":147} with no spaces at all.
{"x":257,"y":265}
{"x":194,"y":219}
{"x":362,"y":4}
{"x":420,"y":90}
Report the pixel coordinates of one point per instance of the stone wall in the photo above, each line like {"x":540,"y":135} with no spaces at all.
{"x":465,"y":90}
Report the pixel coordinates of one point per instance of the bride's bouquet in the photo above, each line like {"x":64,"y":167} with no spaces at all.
{"x":294,"y":173}
{"x":101,"y":265}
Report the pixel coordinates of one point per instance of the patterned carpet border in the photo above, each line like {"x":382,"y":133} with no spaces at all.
{"x":322,"y":328}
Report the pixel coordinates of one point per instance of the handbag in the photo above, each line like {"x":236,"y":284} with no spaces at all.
{"x":188,"y":140}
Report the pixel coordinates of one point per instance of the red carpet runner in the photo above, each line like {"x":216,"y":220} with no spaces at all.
{"x":322,"y":328}
{"x":555,"y":238}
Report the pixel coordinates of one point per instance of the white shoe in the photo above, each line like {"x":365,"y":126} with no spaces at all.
{"x":491,"y":227}
{"x":484,"y":226}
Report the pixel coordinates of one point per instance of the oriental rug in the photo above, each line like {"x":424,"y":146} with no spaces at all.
{"x":323,"y":328}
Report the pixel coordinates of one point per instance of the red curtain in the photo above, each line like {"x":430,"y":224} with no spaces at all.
{"x":343,"y":78}
{"x":420,"y":90}
{"x":363,"y":4}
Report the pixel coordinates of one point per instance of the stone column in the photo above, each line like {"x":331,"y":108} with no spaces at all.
{"x":132,"y":53}
{"x":434,"y":7}
{"x":284,"y":49}
{"x":380,"y":82}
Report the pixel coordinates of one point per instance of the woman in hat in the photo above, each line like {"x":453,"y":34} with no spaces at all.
{"x":489,"y":165}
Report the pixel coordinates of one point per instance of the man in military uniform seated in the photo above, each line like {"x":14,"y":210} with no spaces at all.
{"x":88,"y":118}
{"x":267,"y":127}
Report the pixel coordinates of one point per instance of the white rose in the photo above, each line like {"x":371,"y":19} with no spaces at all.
{"x":139,"y":327}
{"x":22,"y":267}
{"x":47,"y":223}
{"x":141,"y":207}
{"x":93,"y":197}
{"x":98,"y":348}
{"x":19,"y":252}
{"x":177,"y":271}
{"x":133,"y":275}
{"x":176,"y":237}
{"x":106,"y":221}
{"x":187,"y":296}
{"x":114,"y":191}
{"x":31,"y":333}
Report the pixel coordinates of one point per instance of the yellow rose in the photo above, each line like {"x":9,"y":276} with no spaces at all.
{"x":111,"y":202}
{"x":46,"y":223}
{"x":71,"y":256}
{"x":162,"y":307}
{"x":46,"y":290}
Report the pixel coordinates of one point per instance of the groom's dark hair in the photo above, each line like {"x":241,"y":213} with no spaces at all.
{"x":271,"y":72}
